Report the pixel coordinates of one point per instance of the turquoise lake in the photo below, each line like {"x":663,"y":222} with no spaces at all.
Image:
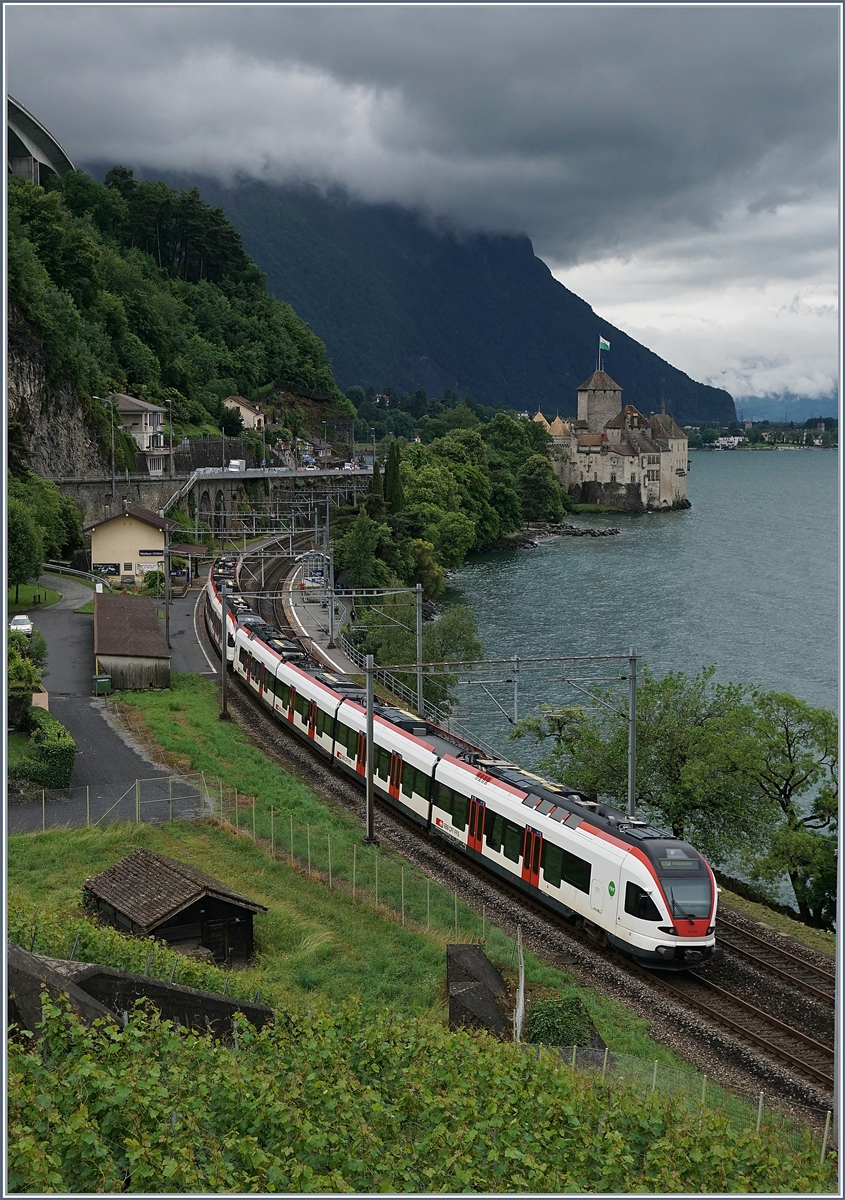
{"x":746,"y":580}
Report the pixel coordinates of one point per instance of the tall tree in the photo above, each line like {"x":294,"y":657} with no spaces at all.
{"x":393,"y":478}
{"x":25,"y":548}
{"x":539,"y":490}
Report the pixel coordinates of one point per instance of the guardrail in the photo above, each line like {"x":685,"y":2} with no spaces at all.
{"x":50,"y":568}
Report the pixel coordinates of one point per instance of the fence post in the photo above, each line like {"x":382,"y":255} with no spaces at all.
{"x":376,"y":858}
{"x":574,"y":1052}
{"x":354,"y":865}
{"x":253,"y":818}
{"x":87,"y":806}
{"x":826,"y":1136}
{"x":329,"y":837}
{"x":703,"y":1091}
{"x":170,"y":795}
{"x":654,"y":1078}
{"x":483,"y":924}
{"x":308,"y":836}
{"x":291,"y":841}
{"x":237,"y":815}
{"x":759,"y":1113}
{"x":43,"y":811}
{"x":272,"y":850}
{"x":456,"y":916}
{"x":137,"y":801}
{"x":403,"y":895}
{"x":428,"y":904}
{"x":220,"y":784}
{"x":604,"y":1065}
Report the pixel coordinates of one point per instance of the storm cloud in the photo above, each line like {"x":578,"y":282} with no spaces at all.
{"x":676,"y":166}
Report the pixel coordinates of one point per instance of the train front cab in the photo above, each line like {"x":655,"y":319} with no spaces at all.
{"x":666,"y":906}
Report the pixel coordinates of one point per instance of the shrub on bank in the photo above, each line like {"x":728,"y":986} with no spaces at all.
{"x":51,"y":765}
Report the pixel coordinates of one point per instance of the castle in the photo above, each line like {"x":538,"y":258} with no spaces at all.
{"x":615,"y":456}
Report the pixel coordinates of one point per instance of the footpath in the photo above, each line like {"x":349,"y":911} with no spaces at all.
{"x":108,"y":762}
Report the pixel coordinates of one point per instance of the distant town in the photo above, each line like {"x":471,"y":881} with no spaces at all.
{"x":818,"y":432}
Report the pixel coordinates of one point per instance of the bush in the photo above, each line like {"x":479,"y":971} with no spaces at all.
{"x":559,"y":1022}
{"x":55,"y":752}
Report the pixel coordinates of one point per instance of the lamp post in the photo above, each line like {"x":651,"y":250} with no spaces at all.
{"x":170,"y":425}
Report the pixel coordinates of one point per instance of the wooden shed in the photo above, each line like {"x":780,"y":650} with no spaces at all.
{"x":129,"y":643}
{"x":152,"y":896}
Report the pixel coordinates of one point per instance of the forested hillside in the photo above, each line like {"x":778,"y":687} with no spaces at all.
{"x":400,"y":303}
{"x":131,"y":286}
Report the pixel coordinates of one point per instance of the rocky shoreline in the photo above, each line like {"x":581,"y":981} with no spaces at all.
{"x":525,"y":540}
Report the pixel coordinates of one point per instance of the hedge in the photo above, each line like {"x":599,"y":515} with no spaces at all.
{"x":54,"y":752}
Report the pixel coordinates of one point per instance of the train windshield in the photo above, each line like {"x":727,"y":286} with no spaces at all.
{"x":684,"y":877}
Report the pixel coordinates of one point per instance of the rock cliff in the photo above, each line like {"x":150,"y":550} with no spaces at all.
{"x":52,"y":418}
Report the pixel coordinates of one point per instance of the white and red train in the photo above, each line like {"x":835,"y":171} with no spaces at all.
{"x":647,"y":894}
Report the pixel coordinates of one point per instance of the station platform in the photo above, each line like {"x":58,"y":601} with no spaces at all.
{"x":306,"y":609}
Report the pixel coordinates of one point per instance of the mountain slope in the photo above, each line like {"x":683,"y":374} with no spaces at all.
{"x":400,"y":303}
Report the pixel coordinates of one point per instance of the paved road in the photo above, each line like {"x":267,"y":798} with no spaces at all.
{"x":107,"y":763}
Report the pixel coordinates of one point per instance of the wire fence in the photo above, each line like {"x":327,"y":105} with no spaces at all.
{"x":154,"y":800}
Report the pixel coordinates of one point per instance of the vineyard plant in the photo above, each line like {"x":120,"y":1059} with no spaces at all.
{"x":346,"y":1100}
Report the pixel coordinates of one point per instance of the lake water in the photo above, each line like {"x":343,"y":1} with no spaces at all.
{"x":746,"y":580}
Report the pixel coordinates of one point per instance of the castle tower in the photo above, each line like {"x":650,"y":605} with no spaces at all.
{"x":599,"y":400}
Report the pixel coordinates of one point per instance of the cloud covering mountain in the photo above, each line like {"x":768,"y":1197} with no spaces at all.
{"x":675,"y":166}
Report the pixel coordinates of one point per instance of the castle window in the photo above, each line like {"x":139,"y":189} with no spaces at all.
{"x":613,"y":477}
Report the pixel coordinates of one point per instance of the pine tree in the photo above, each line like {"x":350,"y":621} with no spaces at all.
{"x":393,"y":479}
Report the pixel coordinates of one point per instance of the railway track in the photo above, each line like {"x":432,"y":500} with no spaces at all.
{"x":768,"y":957}
{"x":805,"y":1056}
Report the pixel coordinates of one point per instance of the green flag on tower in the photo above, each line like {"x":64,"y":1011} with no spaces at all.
{"x":603,"y":344}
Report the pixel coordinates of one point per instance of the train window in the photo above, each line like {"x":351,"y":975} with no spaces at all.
{"x":324,"y":723}
{"x":414,"y":780}
{"x":512,"y":844}
{"x":301,"y":705}
{"x":639,"y":904}
{"x":283,"y":692}
{"x":381,"y":762}
{"x":444,"y":797}
{"x":494,"y":829}
{"x":243,"y":657}
{"x":552,"y":864}
{"x":347,"y":738}
{"x":575,"y":871}
{"x":460,"y":809}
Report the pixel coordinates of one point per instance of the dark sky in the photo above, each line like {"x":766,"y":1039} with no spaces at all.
{"x":675,"y":165}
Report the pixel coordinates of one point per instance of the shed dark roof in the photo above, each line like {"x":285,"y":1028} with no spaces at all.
{"x":128,"y":626}
{"x":149,"y":888}
{"x":599,"y":381}
{"x":140,"y":514}
{"x":188,"y":550}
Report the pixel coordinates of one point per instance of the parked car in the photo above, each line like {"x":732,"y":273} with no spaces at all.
{"x":21,"y":624}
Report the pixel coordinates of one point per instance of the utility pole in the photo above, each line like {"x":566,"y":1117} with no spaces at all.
{"x":224,"y":651}
{"x":632,"y":732}
{"x":331,"y":600}
{"x":420,"y":703}
{"x":369,"y":838}
{"x":170,"y":425}
{"x":167,"y":588}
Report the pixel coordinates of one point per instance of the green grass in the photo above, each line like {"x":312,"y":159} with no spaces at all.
{"x":594,"y":508}
{"x":26,"y":601}
{"x":86,"y":608}
{"x":312,"y":940}
{"x":17,"y":747}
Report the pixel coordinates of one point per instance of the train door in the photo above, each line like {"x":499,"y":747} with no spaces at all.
{"x":261,"y":669}
{"x":477,"y":809}
{"x":531,"y":846}
{"x":361,"y":764}
{"x":312,"y":718}
{"x":597,"y":896}
{"x":395,"y":776}
{"x":291,"y":703}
